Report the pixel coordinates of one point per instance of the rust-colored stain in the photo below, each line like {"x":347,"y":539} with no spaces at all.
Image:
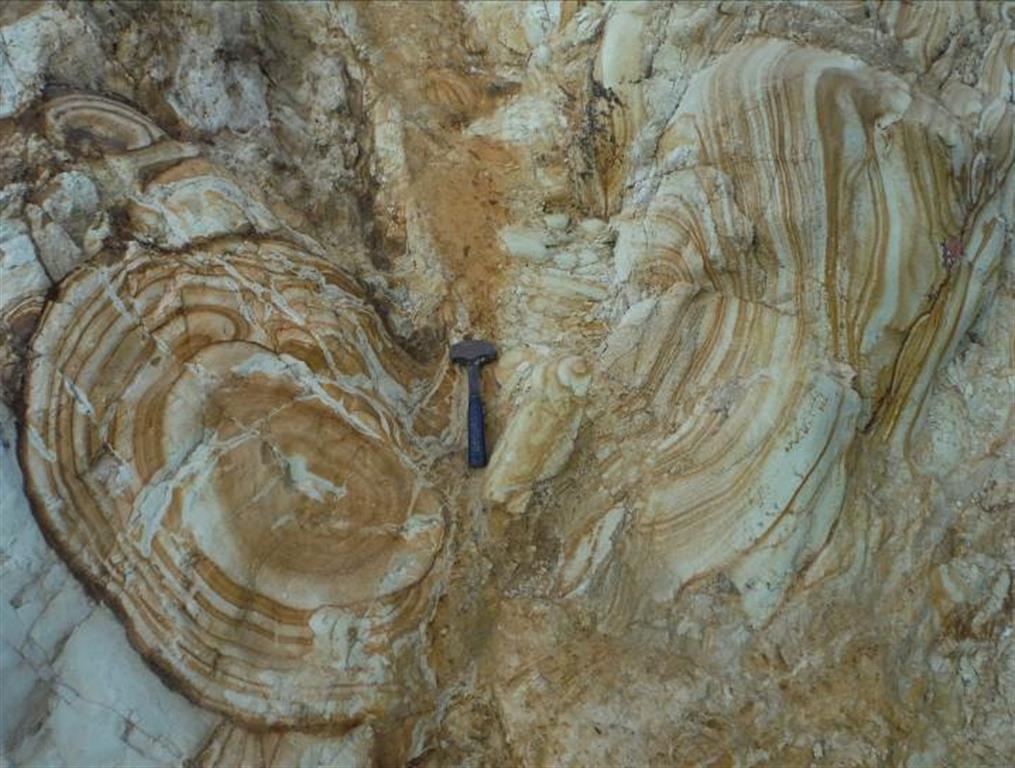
{"x":465,"y":202}
{"x":459,"y":180}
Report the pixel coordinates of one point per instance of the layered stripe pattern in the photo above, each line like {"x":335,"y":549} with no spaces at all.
{"x":225,"y":443}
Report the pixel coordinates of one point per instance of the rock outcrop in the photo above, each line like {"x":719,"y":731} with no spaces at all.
{"x":750,"y":270}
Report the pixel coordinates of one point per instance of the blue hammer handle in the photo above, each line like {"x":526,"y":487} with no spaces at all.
{"x":477,"y":434}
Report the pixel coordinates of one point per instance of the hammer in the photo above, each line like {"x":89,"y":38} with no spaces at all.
{"x":474,"y":353}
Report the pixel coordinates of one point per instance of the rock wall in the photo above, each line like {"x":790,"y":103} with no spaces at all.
{"x":749,"y":268}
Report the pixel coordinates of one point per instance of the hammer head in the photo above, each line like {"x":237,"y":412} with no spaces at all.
{"x":473,"y":351}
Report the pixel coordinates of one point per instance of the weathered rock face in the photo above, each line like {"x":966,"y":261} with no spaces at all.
{"x":750,"y":271}
{"x":223,"y":442}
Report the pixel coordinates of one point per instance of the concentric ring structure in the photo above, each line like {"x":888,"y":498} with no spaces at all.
{"x":788,"y":300}
{"x":221,"y":442}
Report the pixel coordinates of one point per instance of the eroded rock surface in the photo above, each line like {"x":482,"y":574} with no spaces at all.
{"x":750,"y":271}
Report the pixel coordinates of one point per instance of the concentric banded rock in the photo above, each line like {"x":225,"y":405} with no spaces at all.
{"x":765,"y":228}
{"x":815,"y":243}
{"x":222,"y":443}
{"x":82,"y":121}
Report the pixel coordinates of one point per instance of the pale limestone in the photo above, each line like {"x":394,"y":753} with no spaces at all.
{"x":21,"y":272}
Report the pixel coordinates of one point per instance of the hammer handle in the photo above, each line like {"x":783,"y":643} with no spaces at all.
{"x":477,"y":433}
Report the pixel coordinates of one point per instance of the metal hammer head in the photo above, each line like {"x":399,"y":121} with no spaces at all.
{"x":473,"y":351}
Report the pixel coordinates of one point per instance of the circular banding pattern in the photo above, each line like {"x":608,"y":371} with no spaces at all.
{"x":109,"y":126}
{"x":222,"y":442}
